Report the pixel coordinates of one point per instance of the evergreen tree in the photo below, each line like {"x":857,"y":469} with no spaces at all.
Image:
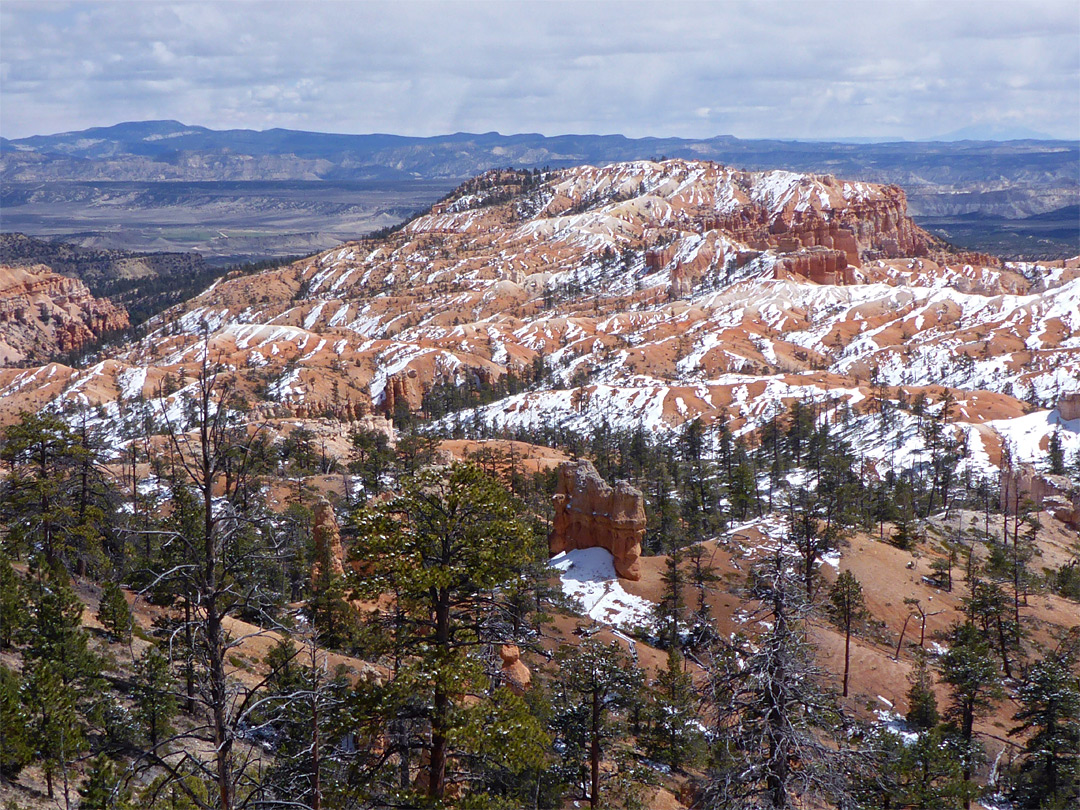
{"x":988,"y":607}
{"x":309,"y":709}
{"x":922,"y":702}
{"x":670,"y":608}
{"x":56,"y":731}
{"x":848,"y":609}
{"x":1056,"y":454}
{"x":54,"y":497}
{"x":812,"y":535}
{"x":104,"y":789}
{"x":968,"y":668}
{"x":55,"y":633}
{"x":13,"y":615}
{"x":702,"y":577}
{"x":373,"y":458}
{"x":742,"y":491}
{"x":596,"y":681}
{"x":906,"y":535}
{"x":15,"y":747}
{"x":155,"y":696}
{"x":932,"y":772}
{"x":1049,"y":773}
{"x":449,"y":548}
{"x":114,"y":613}
{"x":674,"y":734}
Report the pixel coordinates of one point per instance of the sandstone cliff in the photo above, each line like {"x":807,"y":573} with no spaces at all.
{"x":43,"y":314}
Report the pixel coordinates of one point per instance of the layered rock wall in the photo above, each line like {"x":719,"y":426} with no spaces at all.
{"x":406,"y":388}
{"x":591,"y":513}
{"x":820,"y":265}
{"x":44,"y":314}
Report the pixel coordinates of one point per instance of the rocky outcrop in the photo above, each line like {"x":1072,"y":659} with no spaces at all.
{"x":1069,"y":406}
{"x":347,"y":411}
{"x":873,"y":221}
{"x":405,"y":388}
{"x":43,"y":314}
{"x":590,"y":513}
{"x":1054,"y":493}
{"x":329,"y":553}
{"x":817,"y":264}
{"x":515,"y":674}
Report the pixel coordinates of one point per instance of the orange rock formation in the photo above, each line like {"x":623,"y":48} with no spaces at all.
{"x":589,"y":513}
{"x":405,"y":387}
{"x":43,"y":313}
{"x":517,"y":676}
{"x":328,"y":548}
{"x":1054,"y":493}
{"x":1069,"y":406}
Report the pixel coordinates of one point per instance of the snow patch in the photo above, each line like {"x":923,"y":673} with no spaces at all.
{"x":588,"y":575}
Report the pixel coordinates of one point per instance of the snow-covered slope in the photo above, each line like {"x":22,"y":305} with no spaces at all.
{"x":639,"y":294}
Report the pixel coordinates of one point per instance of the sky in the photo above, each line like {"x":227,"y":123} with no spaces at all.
{"x":783,"y":69}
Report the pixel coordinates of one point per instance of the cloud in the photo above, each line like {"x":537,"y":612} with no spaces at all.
{"x":696,"y":69}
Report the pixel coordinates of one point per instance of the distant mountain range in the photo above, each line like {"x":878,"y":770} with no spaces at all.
{"x":171,"y":150}
{"x":237,"y":194}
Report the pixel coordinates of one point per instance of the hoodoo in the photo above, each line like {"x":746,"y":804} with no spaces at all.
{"x":591,"y":513}
{"x":517,"y":676}
{"x":328,"y":548}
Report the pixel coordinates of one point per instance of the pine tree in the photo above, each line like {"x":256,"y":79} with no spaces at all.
{"x":674,"y":735}
{"x":1056,"y":454}
{"x":670,"y":608}
{"x":55,"y":633}
{"x":13,"y":615}
{"x":444,"y":547}
{"x":312,"y":715}
{"x":922,"y":702}
{"x":15,"y":747}
{"x":54,"y":497}
{"x":702,"y":578}
{"x":812,"y":536}
{"x":931,"y":773}
{"x":742,"y":491}
{"x":596,"y":681}
{"x":988,"y":607}
{"x":1049,"y":773}
{"x":114,"y":613}
{"x":848,"y":610}
{"x":155,"y":695}
{"x":968,"y":668}
{"x":57,"y":733}
{"x":104,"y":789}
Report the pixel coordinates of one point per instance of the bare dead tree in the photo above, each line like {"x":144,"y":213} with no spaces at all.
{"x":212,"y":545}
{"x":778,"y":728}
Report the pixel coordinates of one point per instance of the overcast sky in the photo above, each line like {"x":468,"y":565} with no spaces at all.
{"x":753,"y":69}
